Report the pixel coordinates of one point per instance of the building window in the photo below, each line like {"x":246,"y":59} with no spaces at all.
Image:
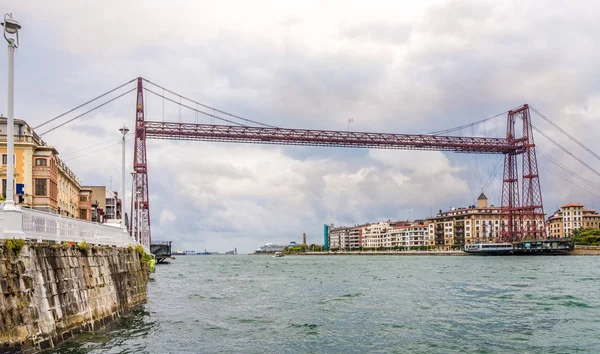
{"x":41,"y":162}
{"x":82,"y":198}
{"x":83,"y":214}
{"x":5,"y":159}
{"x":40,"y":187}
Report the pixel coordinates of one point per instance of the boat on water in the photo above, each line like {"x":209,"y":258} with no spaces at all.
{"x":489,"y":248}
{"x":530,"y":248}
{"x":278,"y":254}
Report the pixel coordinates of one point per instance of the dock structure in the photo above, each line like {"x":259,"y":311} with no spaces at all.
{"x":561,"y":246}
{"x":161,"y":250}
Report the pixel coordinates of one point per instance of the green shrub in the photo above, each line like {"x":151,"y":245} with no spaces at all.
{"x":14,"y":246}
{"x":145,"y":257}
{"x":83,"y":247}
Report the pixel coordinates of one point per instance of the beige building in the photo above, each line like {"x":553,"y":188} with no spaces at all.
{"x":476,"y":224}
{"x":42,"y":180}
{"x":375,"y":235}
{"x":570,"y":217}
{"x":405,"y":234}
{"x":106,"y":204}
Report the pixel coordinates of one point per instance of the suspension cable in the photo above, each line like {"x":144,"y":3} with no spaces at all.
{"x":208,"y":107}
{"x":83,"y":104}
{"x":565,"y":133}
{"x":449,"y":130}
{"x":566,"y":150}
{"x":94,"y":151}
{"x":89,"y":111}
{"x":569,"y":181}
{"x":192,"y":108}
{"x":87,"y":148}
{"x":568,"y":170}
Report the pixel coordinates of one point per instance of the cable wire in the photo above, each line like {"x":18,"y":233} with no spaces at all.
{"x":449,"y":130}
{"x":566,"y":150}
{"x":565,"y":133}
{"x":194,"y":109}
{"x":87,"y":148}
{"x":91,"y":110}
{"x":208,"y":107}
{"x":569,"y":171}
{"x":95,"y":151}
{"x":573,"y":183}
{"x":83,"y":104}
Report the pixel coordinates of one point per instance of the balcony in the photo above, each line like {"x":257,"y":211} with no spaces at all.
{"x":22,"y":139}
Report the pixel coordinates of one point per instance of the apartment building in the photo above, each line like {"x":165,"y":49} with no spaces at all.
{"x":338,"y":237}
{"x":570,"y":217}
{"x":404,"y":234}
{"x":106,"y":204}
{"x":375,"y":235}
{"x":481,"y":223}
{"x":42,"y":180}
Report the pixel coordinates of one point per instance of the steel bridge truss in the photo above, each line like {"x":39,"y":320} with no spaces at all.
{"x":524,"y":218}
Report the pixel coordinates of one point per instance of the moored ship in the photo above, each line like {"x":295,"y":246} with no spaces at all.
{"x":536,"y":247}
{"x":489,"y":248}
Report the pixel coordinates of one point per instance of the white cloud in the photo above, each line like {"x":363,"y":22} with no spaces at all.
{"x":167,"y":216}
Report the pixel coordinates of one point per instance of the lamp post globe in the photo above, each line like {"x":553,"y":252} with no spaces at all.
{"x":11,"y":26}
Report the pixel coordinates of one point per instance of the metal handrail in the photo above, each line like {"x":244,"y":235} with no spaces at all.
{"x":42,"y":225}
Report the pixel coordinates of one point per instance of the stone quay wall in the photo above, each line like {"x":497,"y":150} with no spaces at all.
{"x":50,"y":292}
{"x":586,"y":250}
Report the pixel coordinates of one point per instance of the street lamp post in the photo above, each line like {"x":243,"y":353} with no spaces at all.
{"x":11,"y":34}
{"x":133,"y":207}
{"x":124,"y":130}
{"x":139,"y":216}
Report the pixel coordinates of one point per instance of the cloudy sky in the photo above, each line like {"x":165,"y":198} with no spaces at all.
{"x":392,"y":66}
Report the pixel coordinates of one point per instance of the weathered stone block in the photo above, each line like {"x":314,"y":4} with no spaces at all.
{"x":55,"y":292}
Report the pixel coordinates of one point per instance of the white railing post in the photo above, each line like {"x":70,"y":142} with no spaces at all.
{"x":12,"y":223}
{"x":58,"y":228}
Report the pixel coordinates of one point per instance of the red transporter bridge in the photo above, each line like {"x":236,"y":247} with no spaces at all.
{"x":524,"y":216}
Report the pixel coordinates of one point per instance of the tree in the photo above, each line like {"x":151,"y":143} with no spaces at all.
{"x":587,"y":237}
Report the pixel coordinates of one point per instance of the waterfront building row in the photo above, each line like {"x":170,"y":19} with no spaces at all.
{"x":481,"y":223}
{"x":44,"y":182}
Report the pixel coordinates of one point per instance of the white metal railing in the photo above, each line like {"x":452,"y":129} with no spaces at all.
{"x":41,"y":225}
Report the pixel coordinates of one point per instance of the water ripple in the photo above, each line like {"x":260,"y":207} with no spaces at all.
{"x":249,"y":304}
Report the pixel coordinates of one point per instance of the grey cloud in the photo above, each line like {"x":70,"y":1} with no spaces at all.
{"x":392,"y":33}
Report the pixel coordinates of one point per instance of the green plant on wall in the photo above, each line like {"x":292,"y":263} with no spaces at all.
{"x":83,"y":247}
{"x":14,"y":246}
{"x":145,"y":257}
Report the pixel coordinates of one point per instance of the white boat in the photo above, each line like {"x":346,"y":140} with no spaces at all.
{"x":278,"y":254}
{"x":489,"y":248}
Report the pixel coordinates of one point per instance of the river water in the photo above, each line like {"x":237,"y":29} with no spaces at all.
{"x":362,"y":304}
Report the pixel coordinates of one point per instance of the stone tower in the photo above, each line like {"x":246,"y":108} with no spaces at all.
{"x":482,"y":201}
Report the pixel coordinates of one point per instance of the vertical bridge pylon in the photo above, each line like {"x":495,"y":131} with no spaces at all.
{"x":525,"y":218}
{"x":139,"y":226}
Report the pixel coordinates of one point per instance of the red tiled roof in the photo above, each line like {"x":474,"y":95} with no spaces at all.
{"x":572,"y":205}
